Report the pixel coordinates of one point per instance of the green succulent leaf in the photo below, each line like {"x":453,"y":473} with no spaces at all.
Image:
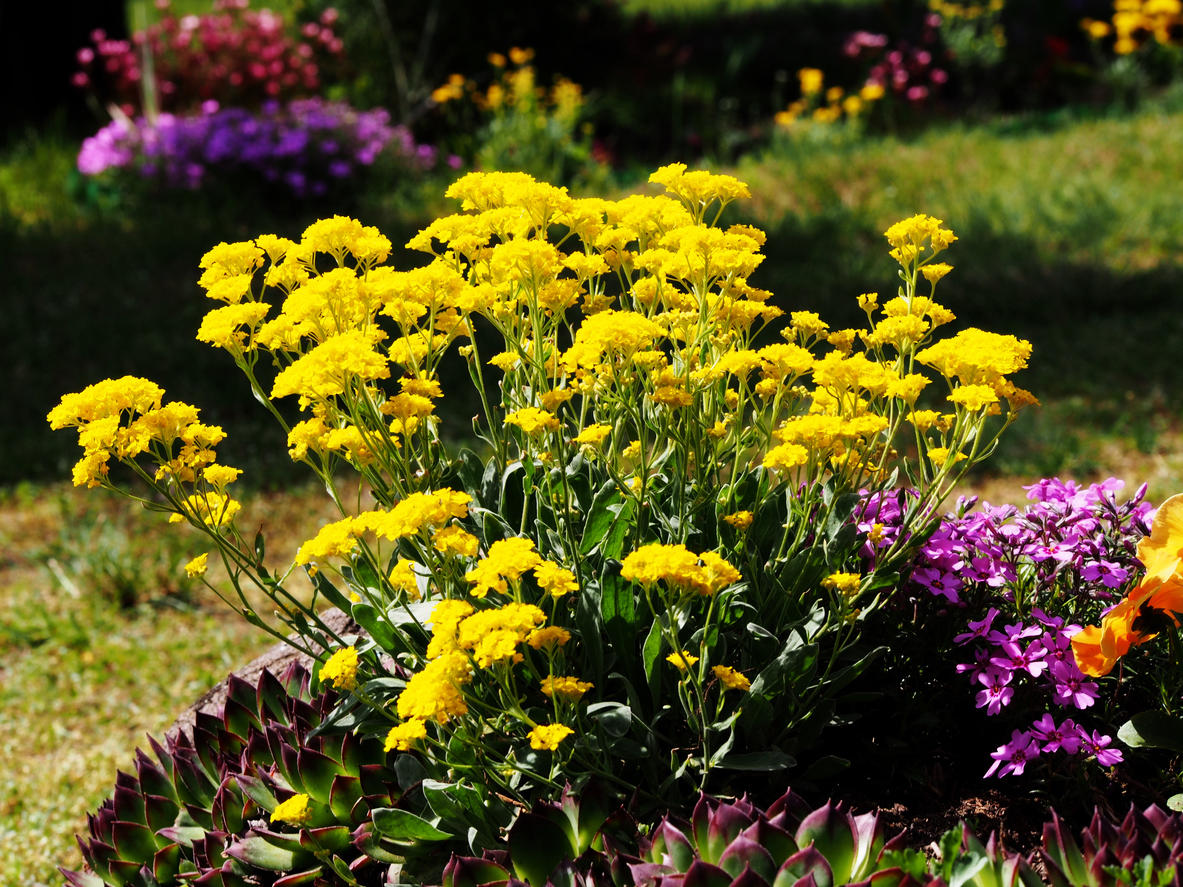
{"x":261,"y":853}
{"x":761,"y":761}
{"x":1153,"y":729}
{"x":404,"y":827}
{"x":536,"y":846}
{"x":614,"y":717}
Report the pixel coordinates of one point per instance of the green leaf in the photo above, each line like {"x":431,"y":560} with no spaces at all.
{"x":760,"y":761}
{"x":619,"y":614}
{"x":1175,"y":802}
{"x":536,"y":846}
{"x":613,"y":717}
{"x":600,"y":516}
{"x":651,"y":658}
{"x":1153,"y":729}
{"x":405,"y":827}
{"x":331,"y":593}
{"x":374,"y":621}
{"x":613,"y":545}
{"x":261,"y":853}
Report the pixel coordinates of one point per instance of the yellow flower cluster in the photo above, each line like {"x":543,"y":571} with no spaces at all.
{"x":296,"y":810}
{"x":679,"y":569}
{"x":1136,"y":22}
{"x":826,"y":106}
{"x":340,"y":669}
{"x":416,"y":513}
{"x":124,"y":419}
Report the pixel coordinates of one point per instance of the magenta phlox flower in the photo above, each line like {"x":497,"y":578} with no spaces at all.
{"x":1097,"y":746}
{"x":1015,"y":755}
{"x":1015,"y":658}
{"x":976,"y":668}
{"x":939,"y":582}
{"x":1065,"y":737}
{"x":1070,"y":686}
{"x":1017,"y":631}
{"x":978,"y":628}
{"x":1110,"y":574}
{"x":998,"y":693}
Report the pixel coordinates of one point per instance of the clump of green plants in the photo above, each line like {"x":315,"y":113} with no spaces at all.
{"x":650,"y":580}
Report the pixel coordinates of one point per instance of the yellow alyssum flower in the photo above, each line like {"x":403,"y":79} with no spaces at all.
{"x":506,"y":559}
{"x":975,"y":356}
{"x":681,"y":660}
{"x":679,"y":569}
{"x":741,"y":520}
{"x":811,"y":80}
{"x":327,"y":370}
{"x":455,"y":540}
{"x":940,"y":455}
{"x":730,"y":678}
{"x":533,"y":420}
{"x":546,"y":737}
{"x":593,"y":435}
{"x":294,"y":811}
{"x":214,"y":509}
{"x":785,"y":457}
{"x":548,"y":637}
{"x":567,"y":688}
{"x":340,"y":669}
{"x":973,"y":397}
{"x":111,"y":397}
{"x":555,"y":580}
{"x":197,"y":566}
{"x":844,"y":583}
{"x":403,"y":736}
{"x":228,"y":327}
{"x":434,"y":693}
{"x":403,"y":577}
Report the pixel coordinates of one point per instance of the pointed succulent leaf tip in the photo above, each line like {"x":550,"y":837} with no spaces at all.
{"x":778,"y":842}
{"x":750,"y":878}
{"x":704,"y":874}
{"x":745,"y":855}
{"x":670,"y":845}
{"x":832,"y":831}
{"x":726,"y":822}
{"x":166,"y":862}
{"x":807,"y":863}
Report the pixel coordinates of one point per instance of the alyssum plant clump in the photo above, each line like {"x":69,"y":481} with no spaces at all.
{"x":650,"y":579}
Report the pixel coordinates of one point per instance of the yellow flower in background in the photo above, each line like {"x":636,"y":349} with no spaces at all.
{"x":340,"y":669}
{"x":681,"y":660}
{"x":546,"y":737}
{"x":533,"y":420}
{"x":741,"y":520}
{"x":811,"y":80}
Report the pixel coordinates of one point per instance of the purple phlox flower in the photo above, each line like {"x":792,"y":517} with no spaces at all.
{"x":1097,"y":745}
{"x":1108,"y":573}
{"x":1015,"y":755}
{"x":997,"y":693}
{"x":1044,"y":619}
{"x":1065,"y":738}
{"x":939,"y":582}
{"x":977,"y":629}
{"x":1016,"y":632}
{"x":976,"y":668}
{"x":1015,"y":658}
{"x":1071,"y":687}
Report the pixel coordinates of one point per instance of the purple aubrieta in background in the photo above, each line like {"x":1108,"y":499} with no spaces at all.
{"x":305,"y":144}
{"x":1031,"y":576}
